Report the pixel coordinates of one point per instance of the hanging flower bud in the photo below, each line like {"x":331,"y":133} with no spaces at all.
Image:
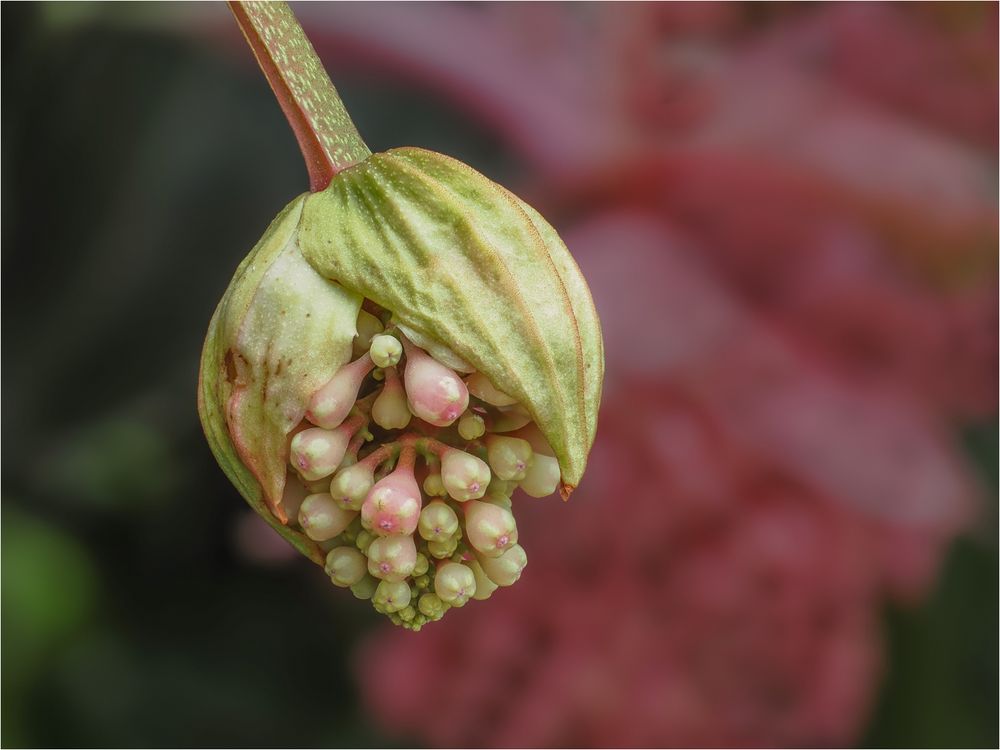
{"x":491,"y":529}
{"x":509,"y":456}
{"x":385,"y":351}
{"x":321,"y":518}
{"x":474,"y":284}
{"x":454,"y":584}
{"x":464,"y":476}
{"x":390,"y":410}
{"x":392,"y":558}
{"x":506,"y":569}
{"x":346,"y":566}
{"x":484,"y":585}
{"x":438,"y":522}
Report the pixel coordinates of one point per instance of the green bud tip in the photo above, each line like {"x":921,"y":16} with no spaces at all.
{"x":392,"y":596}
{"x":392,"y":558}
{"x":385,"y":351}
{"x":438,"y":522}
{"x":471,"y":426}
{"x":346,"y":566}
{"x":454,"y":583}
{"x":509,"y":457}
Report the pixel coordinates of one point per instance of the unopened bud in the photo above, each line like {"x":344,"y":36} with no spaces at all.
{"x":316,"y":453}
{"x":390,"y":410}
{"x":464,"y":476}
{"x":454,"y":583}
{"x":471,"y":426}
{"x":438,"y":522}
{"x":385,"y":350}
{"x":368,"y":327}
{"x":349,"y":487}
{"x":346,"y":566}
{"x":331,"y":404}
{"x":484,"y":586}
{"x":481,"y":387}
{"x":435,"y":394}
{"x":393,"y":503}
{"x":365,"y":588}
{"x":392,"y":558}
{"x":431,"y":606}
{"x":321,"y":518}
{"x":506,"y":569}
{"x":509,"y":457}
{"x":392,"y":596}
{"x":363,"y":540}
{"x":491,"y":529}
{"x":542,"y":477}
{"x":441,"y":550}
{"x":421,"y":566}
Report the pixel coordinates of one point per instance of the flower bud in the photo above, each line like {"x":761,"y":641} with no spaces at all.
{"x":435,"y":394}
{"x":368,"y":328}
{"x":431,"y":606}
{"x":331,"y":404}
{"x":491,"y":529}
{"x":346,"y":566}
{"x":433,"y":485}
{"x":316,"y":453}
{"x":365,"y":588}
{"x":321,"y":518}
{"x":442,"y":550}
{"x":454,"y":583}
{"x":392,"y":558}
{"x":393,"y":503}
{"x":420,"y":567}
{"x":349,"y":487}
{"x":438,"y":522}
{"x":391,"y":596}
{"x":484,"y":586}
{"x":508,"y":456}
{"x":390,"y":410}
{"x":506,"y":569}
{"x":480,"y":387}
{"x":464,"y":476}
{"x":542,"y":477}
{"x":471,"y":426}
{"x":385,"y":351}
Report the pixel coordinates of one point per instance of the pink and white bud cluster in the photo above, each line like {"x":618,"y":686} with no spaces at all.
{"x":406,"y":468}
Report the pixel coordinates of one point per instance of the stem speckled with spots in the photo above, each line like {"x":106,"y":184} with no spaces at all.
{"x":326,"y":134}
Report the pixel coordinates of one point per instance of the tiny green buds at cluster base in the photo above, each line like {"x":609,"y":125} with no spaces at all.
{"x":367,"y":369}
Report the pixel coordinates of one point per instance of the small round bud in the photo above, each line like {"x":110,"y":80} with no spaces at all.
{"x":509,"y":456}
{"x":391,"y":596}
{"x":484,"y":586}
{"x":435,"y":394}
{"x":365,"y":588}
{"x":471,"y":426}
{"x":392,"y":558}
{"x":346,"y":566}
{"x":431,"y":605}
{"x":480,"y":387}
{"x":393,"y":504}
{"x":421,"y":566}
{"x":433,"y":485}
{"x":454,"y":583}
{"x":321,"y":518}
{"x":330,"y":405}
{"x":438,"y":522}
{"x":368,"y":328}
{"x":506,"y":569}
{"x":442,"y":550}
{"x":385,"y":350}
{"x":490,"y":528}
{"x":542,"y":477}
{"x":316,"y":453}
{"x":363,"y":540}
{"x":464,"y":476}
{"x":349,"y":487}
{"x":422,"y":582}
{"x":390,"y":410}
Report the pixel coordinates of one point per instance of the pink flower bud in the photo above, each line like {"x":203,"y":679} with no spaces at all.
{"x":454,"y":583}
{"x":393,"y":503}
{"x":331,"y":404}
{"x":438,"y":522}
{"x":491,"y":529}
{"x":435,"y":394}
{"x":509,"y":456}
{"x":321,"y":518}
{"x":484,"y":586}
{"x":506,"y":569}
{"x":480,"y":387}
{"x":390,"y":410}
{"x":542,"y":477}
{"x":316,"y":453}
{"x":391,"y":596}
{"x":349,"y":487}
{"x":346,"y":566}
{"x":463,"y":475}
{"x":392,"y":558}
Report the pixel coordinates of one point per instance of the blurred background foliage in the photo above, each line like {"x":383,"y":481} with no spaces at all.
{"x":142,"y":606}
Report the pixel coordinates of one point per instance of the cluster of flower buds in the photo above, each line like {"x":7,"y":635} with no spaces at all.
{"x":402,"y":471}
